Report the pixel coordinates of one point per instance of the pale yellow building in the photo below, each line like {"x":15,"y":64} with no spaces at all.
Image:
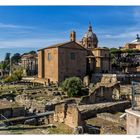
{"x":134,"y":44}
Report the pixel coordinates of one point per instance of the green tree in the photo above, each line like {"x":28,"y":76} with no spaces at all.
{"x":72,"y":86}
{"x":7,"y":57}
{"x":16,"y":58}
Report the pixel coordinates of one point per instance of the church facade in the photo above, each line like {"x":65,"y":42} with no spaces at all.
{"x":99,"y":60}
{"x":73,"y":58}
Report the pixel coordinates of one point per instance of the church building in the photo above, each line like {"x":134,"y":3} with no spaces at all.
{"x":73,"y":58}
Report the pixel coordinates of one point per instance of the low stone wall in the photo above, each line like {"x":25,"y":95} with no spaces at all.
{"x":51,"y":105}
{"x":104,"y":78}
{"x":102,"y":93}
{"x":123,"y":78}
{"x":89,"y":111}
{"x":12,"y":112}
{"x":109,"y":117}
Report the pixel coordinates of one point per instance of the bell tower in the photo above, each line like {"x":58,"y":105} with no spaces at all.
{"x":73,"y":36}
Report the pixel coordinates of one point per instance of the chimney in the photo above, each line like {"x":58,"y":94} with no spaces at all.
{"x":73,"y":36}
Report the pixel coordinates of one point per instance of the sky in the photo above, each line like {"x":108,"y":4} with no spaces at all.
{"x":26,"y":28}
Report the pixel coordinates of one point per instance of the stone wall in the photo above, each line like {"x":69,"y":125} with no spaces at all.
{"x":104,"y":78}
{"x":109,"y":117}
{"x":68,"y":114}
{"x":89,"y":111}
{"x":112,"y":78}
{"x":133,"y":122}
{"x":102,"y":93}
{"x":12,"y":112}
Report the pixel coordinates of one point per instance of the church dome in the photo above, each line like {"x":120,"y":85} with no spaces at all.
{"x":90,"y":34}
{"x":90,"y":38}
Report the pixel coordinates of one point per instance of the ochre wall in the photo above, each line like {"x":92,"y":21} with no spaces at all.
{"x":61,"y":65}
{"x":102,"y":60}
{"x":69,"y":67}
{"x":51,"y":66}
{"x":40,"y":63}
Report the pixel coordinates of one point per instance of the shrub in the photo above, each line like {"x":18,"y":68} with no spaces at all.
{"x":72,"y":86}
{"x":16,"y":76}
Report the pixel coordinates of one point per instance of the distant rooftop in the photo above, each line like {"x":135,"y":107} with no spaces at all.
{"x":137,"y":40}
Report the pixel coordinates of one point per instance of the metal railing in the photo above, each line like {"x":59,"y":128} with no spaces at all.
{"x":135,"y":95}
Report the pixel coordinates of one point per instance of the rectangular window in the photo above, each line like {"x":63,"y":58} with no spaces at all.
{"x":49,"y":56}
{"x":72,"y":56}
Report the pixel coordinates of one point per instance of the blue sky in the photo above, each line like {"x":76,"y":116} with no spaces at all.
{"x":25,"y":28}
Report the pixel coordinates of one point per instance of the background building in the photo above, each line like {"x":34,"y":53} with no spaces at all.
{"x":134,"y":44}
{"x":29,"y":62}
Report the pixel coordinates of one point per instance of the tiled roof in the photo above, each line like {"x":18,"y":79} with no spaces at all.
{"x":60,"y":45}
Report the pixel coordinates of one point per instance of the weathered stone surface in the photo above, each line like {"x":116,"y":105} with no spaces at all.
{"x":51,"y":105}
{"x":73,"y":116}
{"x":60,"y":113}
{"x":133,"y":122}
{"x":49,"y":119}
{"x":30,"y":103}
{"x":104,"y":78}
{"x":68,"y":114}
{"x":102,"y":92}
{"x":109,"y":117}
{"x":89,"y":111}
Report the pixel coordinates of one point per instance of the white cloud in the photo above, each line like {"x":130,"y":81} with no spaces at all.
{"x":13,"y":26}
{"x":31,"y":42}
{"x":121,"y":35}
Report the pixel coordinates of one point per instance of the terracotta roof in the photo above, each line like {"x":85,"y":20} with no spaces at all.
{"x":60,"y":45}
{"x":29,"y":56}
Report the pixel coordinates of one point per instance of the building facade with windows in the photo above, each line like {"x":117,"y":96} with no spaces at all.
{"x":29,"y":64}
{"x":73,"y":58}
{"x":57,"y":62}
